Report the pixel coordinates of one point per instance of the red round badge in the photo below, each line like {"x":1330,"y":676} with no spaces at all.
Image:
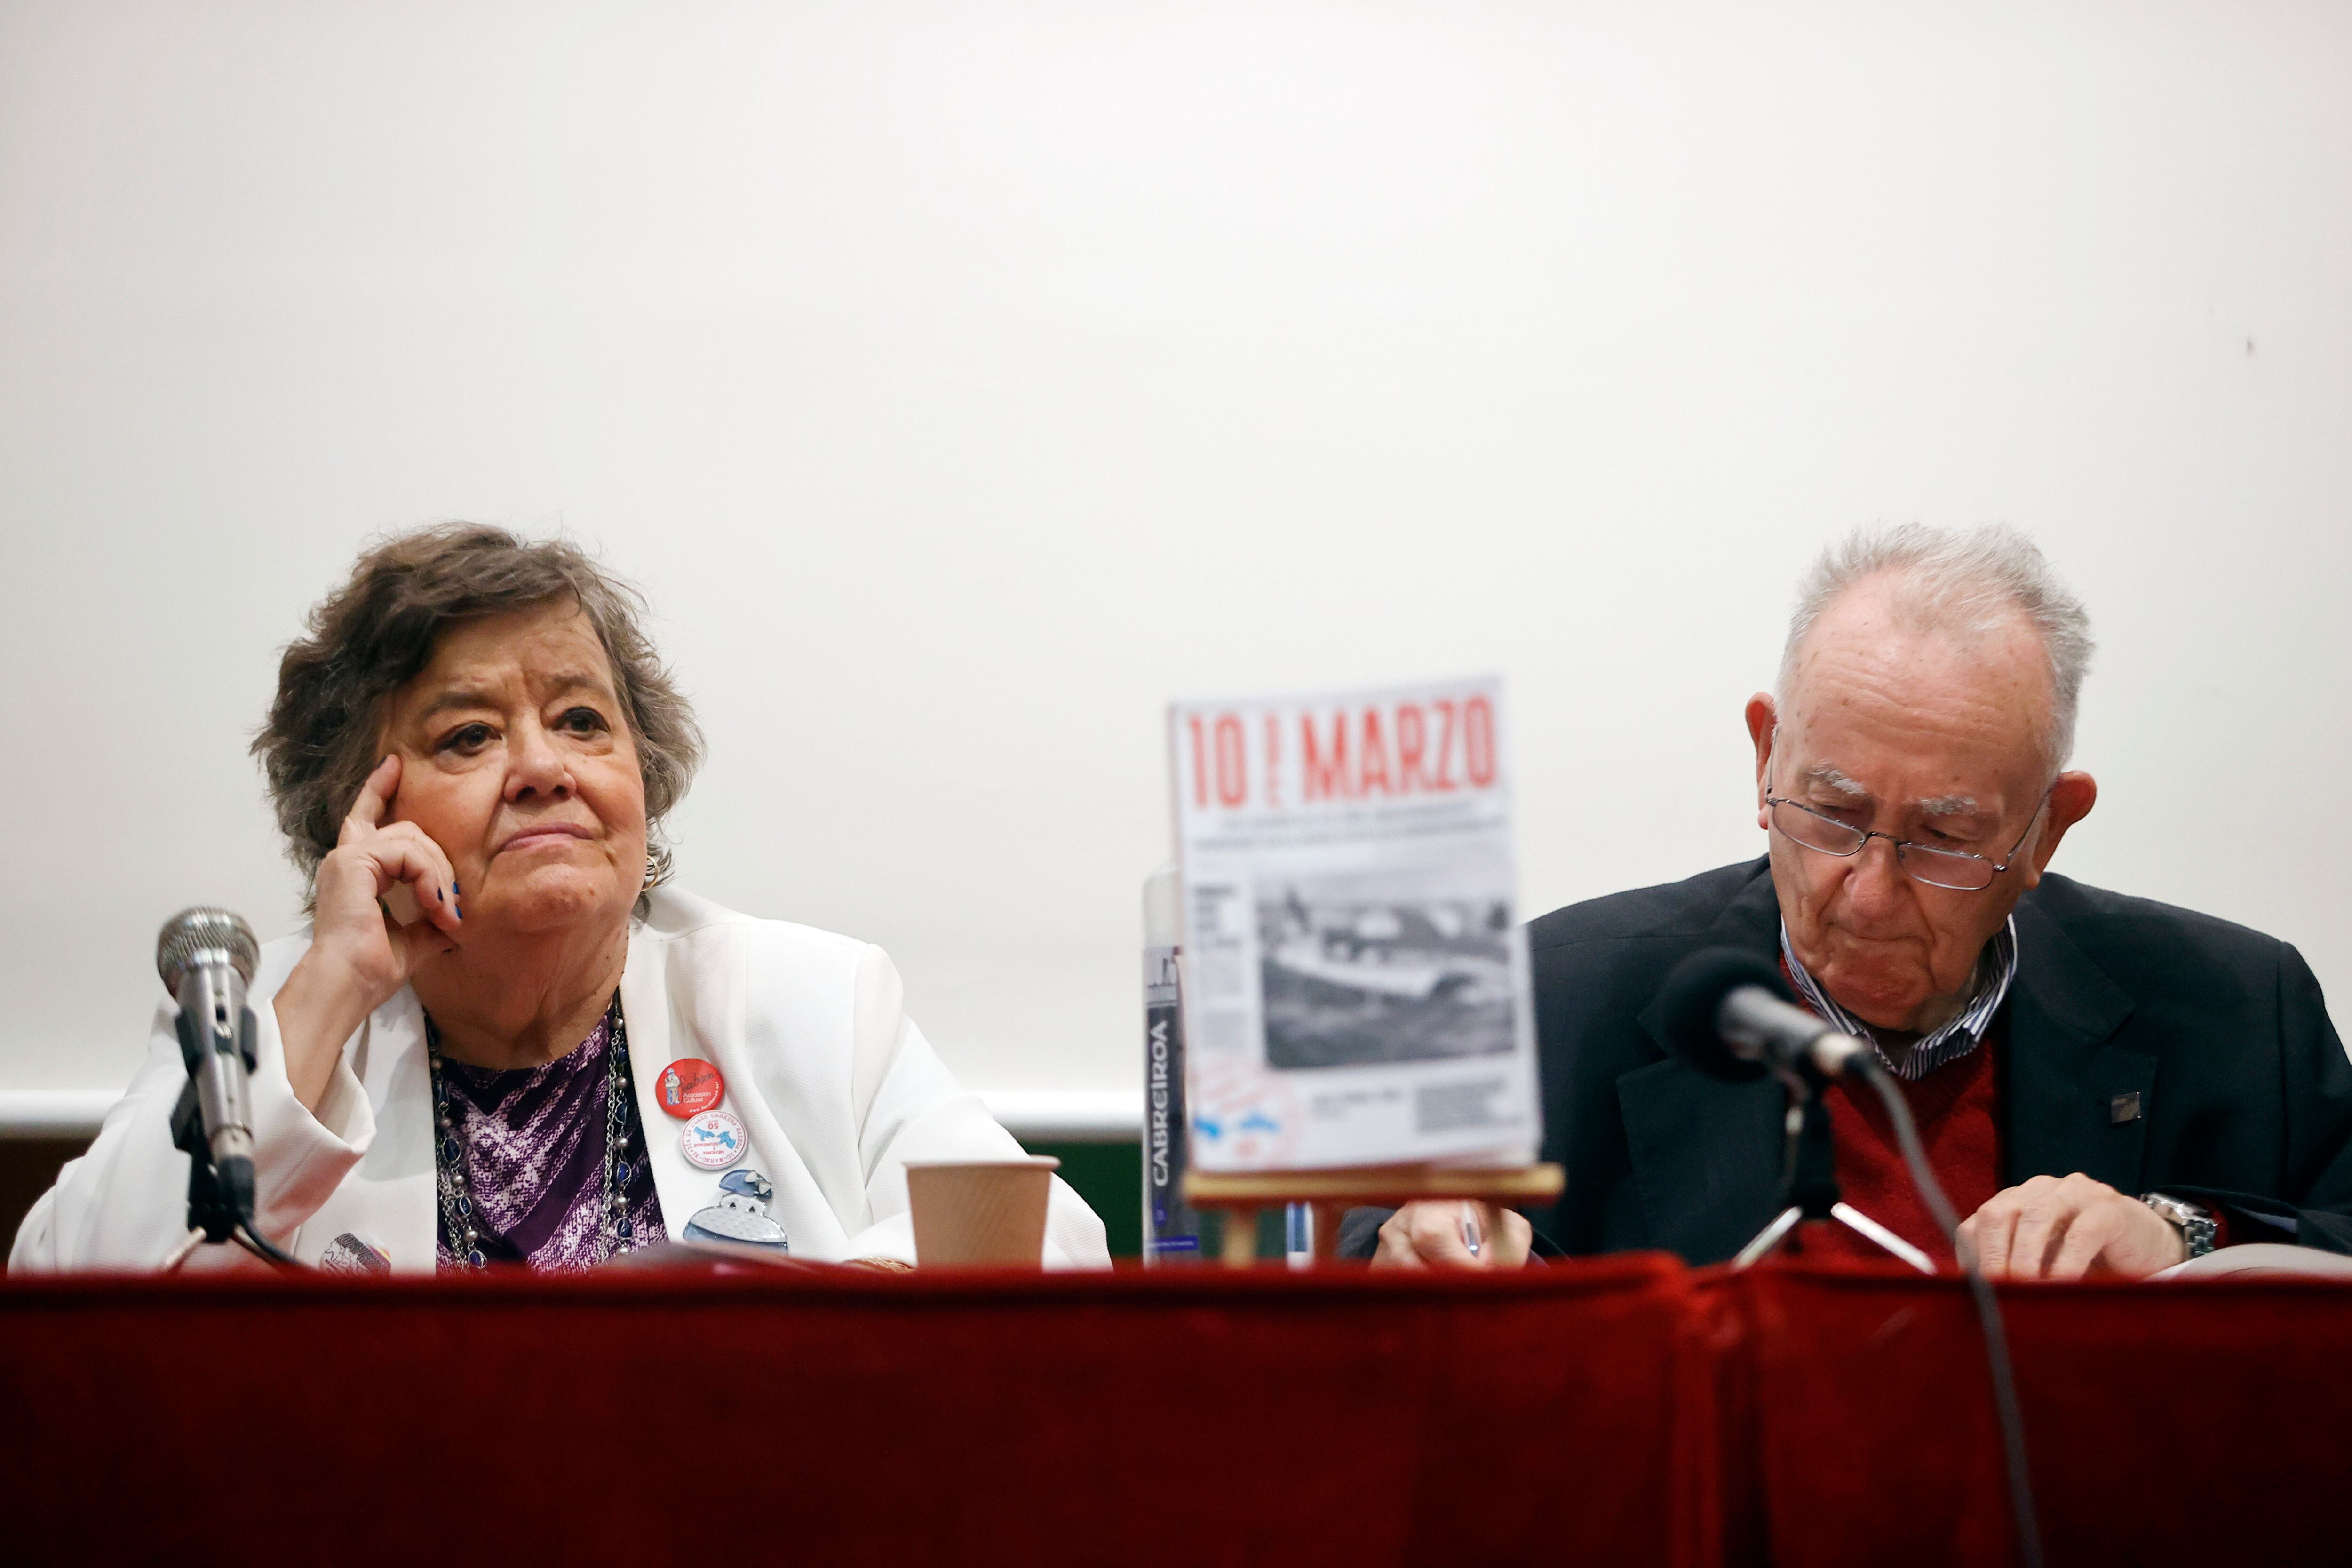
{"x":689,"y":1086}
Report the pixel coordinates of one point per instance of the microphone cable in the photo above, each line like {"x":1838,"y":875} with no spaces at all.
{"x":245,"y":1235}
{"x":1996,"y":1338}
{"x":248,"y":1235}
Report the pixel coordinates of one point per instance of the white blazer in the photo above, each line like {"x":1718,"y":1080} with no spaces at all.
{"x":834,"y":1084}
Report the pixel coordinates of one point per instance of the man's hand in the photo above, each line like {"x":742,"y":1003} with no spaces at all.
{"x":2054,"y":1229}
{"x":1434,"y":1235}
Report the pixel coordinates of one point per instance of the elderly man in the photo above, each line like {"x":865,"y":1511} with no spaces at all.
{"x":2104,"y":1085}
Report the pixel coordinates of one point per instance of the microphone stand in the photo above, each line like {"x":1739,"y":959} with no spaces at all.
{"x":210,"y":1212}
{"x":1809,"y":1186}
{"x":214,"y":1216}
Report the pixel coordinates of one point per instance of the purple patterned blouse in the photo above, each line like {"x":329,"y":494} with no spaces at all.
{"x":533,"y":1140}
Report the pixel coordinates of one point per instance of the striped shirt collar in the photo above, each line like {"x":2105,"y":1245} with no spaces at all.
{"x":1955,"y":1039}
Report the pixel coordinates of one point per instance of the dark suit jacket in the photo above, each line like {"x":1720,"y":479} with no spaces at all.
{"x":2246,"y":1094}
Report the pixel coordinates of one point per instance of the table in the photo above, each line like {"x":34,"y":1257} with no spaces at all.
{"x":845,"y":1417}
{"x":2176,"y":1423}
{"x":1620,"y":1411}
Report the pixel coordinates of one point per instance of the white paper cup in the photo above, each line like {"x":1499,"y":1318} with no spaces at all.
{"x":980,"y":1213}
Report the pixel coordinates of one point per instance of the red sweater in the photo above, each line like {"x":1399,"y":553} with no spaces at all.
{"x":1955,"y":1106}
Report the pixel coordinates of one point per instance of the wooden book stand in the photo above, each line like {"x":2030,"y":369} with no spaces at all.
{"x":1334,"y":1192}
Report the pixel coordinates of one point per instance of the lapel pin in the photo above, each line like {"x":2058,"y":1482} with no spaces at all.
{"x":739,"y":1213}
{"x":691,"y":1086}
{"x":713,"y":1141}
{"x":2124,"y":1107}
{"x":352,"y":1253}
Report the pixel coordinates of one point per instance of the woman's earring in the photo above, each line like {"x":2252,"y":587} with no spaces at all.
{"x":657,"y":867}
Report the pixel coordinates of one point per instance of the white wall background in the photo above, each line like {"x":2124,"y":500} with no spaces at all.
{"x":964,"y":382}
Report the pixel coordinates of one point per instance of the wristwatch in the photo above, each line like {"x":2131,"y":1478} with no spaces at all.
{"x":2193,"y":1221}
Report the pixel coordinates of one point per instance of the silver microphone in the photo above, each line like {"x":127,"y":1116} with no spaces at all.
{"x":206,"y":958}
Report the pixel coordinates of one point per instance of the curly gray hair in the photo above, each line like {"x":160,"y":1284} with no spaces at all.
{"x":374,"y":634}
{"x":1963,"y":581}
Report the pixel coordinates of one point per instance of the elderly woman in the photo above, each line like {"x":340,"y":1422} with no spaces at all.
{"x":503,"y":1039}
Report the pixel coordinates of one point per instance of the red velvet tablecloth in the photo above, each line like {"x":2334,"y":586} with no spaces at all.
{"x":845,"y":1417}
{"x":1622,"y":1411}
{"x":2205,"y":1423}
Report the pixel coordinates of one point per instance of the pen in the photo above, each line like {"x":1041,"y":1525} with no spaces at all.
{"x":1470,"y":1237}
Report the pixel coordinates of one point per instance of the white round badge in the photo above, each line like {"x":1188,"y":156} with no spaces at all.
{"x":713,"y":1139}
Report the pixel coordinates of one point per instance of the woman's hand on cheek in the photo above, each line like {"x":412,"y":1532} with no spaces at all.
{"x":371,"y":859}
{"x":358,"y":955}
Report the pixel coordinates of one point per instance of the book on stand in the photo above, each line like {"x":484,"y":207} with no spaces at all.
{"x":1353,"y":975}
{"x":1171,"y":1230}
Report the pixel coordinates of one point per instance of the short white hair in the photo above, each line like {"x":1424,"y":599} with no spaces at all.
{"x":1966,"y":582}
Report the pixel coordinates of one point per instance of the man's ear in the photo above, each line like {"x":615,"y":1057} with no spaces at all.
{"x":2071,"y":800}
{"x":1763,"y":719}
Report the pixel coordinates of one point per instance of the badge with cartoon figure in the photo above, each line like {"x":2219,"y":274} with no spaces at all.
{"x":691,"y":1086}
{"x":739,"y":1213}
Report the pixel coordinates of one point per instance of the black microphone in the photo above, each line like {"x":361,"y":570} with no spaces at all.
{"x":206,"y":958}
{"x":1730,"y":1014}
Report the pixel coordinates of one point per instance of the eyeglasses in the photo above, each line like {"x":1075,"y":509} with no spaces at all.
{"x":1954,"y":868}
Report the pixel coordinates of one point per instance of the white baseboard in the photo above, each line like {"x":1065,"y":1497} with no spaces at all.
{"x":1033,"y":1115}
{"x":1069,"y":1115}
{"x":53,"y":1112}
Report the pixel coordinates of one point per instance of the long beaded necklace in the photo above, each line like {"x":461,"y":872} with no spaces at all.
{"x":615,"y":1233}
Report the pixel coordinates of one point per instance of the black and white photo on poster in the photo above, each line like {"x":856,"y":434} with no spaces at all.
{"x":1396,"y":965}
